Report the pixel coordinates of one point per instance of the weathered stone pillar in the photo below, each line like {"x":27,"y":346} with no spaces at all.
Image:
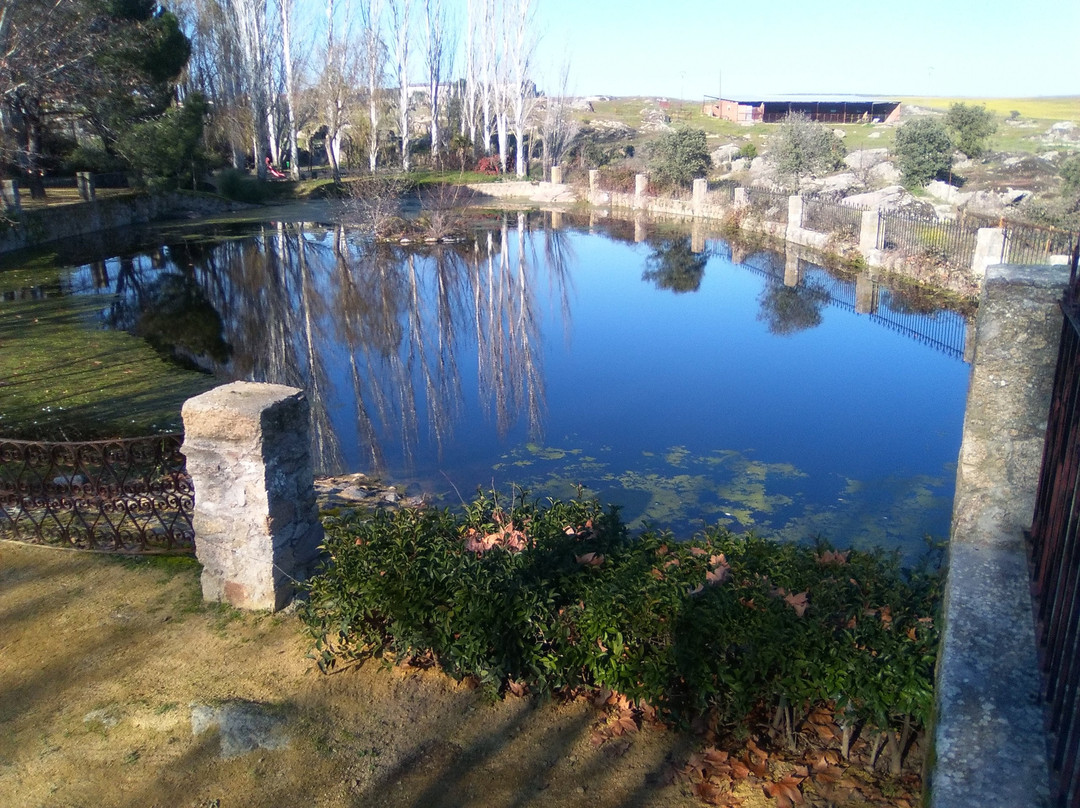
{"x":868,"y":233}
{"x":741,"y":198}
{"x":989,"y":250}
{"x":594,"y":180}
{"x":794,"y":216}
{"x":256,"y":521}
{"x":85,"y":181}
{"x":701,"y":188}
{"x":556,"y":175}
{"x":989,"y":733}
{"x":697,"y":236}
{"x":9,"y":196}
{"x":641,"y":185}
{"x":792,"y":268}
{"x":865,"y":295}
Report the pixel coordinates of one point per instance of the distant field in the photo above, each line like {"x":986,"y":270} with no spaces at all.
{"x":1058,"y":108}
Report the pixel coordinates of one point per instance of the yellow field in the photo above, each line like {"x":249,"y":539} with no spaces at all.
{"x":1058,"y":108}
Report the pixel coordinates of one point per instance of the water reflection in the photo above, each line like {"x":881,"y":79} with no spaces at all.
{"x":554,"y":358}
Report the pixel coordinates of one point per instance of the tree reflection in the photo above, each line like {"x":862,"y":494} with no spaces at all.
{"x":790,"y":309}
{"x":673,"y":265}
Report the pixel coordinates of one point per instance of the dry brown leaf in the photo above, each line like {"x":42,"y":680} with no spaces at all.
{"x":739,"y":769}
{"x":590,"y":559}
{"x":698,"y":551}
{"x":797,"y":602}
{"x":712,"y":794}
{"x":517,"y":688}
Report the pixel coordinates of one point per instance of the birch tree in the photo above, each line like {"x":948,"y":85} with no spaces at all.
{"x":288,"y":69}
{"x":523,"y":91}
{"x":400,"y":12}
{"x":436,"y":52}
{"x":251,"y":31}
{"x":374,"y":66}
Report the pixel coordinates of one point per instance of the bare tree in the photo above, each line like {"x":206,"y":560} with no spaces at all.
{"x":374,"y":63}
{"x":337,"y":80}
{"x":558,"y":128}
{"x":288,"y":69}
{"x":400,"y":12}
{"x":523,"y":95}
{"x":435,"y":25}
{"x":250,"y":18}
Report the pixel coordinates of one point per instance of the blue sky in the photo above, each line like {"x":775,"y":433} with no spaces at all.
{"x":690,"y":48}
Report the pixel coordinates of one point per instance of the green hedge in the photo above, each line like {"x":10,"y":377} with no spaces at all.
{"x":722,"y":623}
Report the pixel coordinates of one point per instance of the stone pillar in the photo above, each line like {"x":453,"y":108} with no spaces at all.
{"x":792,"y":273}
{"x":865,"y":295}
{"x":639,"y":228}
{"x":256,"y":521}
{"x":594,"y":180}
{"x":989,"y":250}
{"x":989,"y":734}
{"x":794,"y":216}
{"x":697,"y":236}
{"x":85,"y":182}
{"x":641,"y":185}
{"x":9,"y":196}
{"x":556,"y":219}
{"x":701,"y":187}
{"x":556,"y":175}
{"x":868,"y":233}
{"x":741,"y":198}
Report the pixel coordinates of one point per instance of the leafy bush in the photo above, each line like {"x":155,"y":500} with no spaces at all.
{"x":239,"y":187}
{"x":971,"y":127}
{"x":168,"y":146}
{"x":679,"y":157}
{"x":748,"y":151}
{"x":560,"y":597}
{"x":923,"y":151}
{"x":804,"y":148}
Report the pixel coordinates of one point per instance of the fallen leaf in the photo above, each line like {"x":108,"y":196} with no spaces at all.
{"x":517,"y":688}
{"x":590,"y":559}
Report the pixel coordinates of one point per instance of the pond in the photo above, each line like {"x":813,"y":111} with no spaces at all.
{"x":685,"y":380}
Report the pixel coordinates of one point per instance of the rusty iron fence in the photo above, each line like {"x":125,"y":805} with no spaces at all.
{"x":1055,"y":559}
{"x":828,"y":216}
{"x":125,"y":495}
{"x":1034,"y":244}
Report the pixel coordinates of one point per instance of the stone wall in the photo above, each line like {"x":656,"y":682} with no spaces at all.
{"x":989,"y":736}
{"x":37,"y":226}
{"x":256,"y":521}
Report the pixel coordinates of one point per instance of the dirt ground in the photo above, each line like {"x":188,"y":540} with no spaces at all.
{"x":107,"y":668}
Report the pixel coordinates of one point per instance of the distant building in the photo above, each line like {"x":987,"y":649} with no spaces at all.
{"x":827,"y":109}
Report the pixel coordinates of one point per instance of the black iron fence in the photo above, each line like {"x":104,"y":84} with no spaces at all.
{"x":769,"y":205}
{"x":1034,"y":244}
{"x":1055,"y":558}
{"x":127,"y":495}
{"x":941,"y":241}
{"x":828,"y":216}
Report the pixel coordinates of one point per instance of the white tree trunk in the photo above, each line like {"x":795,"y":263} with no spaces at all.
{"x":400,"y":11}
{"x":290,"y":97}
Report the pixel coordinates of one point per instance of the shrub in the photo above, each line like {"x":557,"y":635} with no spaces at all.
{"x":748,"y":151}
{"x":240,"y":187}
{"x":679,"y":157}
{"x":169,"y":146}
{"x":971,"y":127}
{"x":560,"y":597}
{"x":923,"y":151}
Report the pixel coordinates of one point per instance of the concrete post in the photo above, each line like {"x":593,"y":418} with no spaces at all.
{"x":641,"y":185}
{"x":989,"y":250}
{"x":701,"y":187}
{"x":256,"y":521}
{"x":866,"y":299}
{"x":794,"y":212}
{"x":9,"y":196}
{"x":556,"y":175}
{"x":868,"y":233}
{"x":594,"y":180}
{"x":741,"y":198}
{"x":85,"y":181}
{"x":989,"y":735}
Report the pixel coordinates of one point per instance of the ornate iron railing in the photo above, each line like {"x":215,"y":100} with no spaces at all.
{"x":125,"y":495}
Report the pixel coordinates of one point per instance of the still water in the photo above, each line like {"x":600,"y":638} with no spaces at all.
{"x":688,"y":382}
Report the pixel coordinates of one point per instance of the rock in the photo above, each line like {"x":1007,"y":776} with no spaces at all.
{"x":947,"y":193}
{"x":244,"y":726}
{"x":839,"y":183}
{"x":1011,"y":162}
{"x":1014,"y":196}
{"x":986,"y":202}
{"x":1050,"y":156}
{"x":889,"y":198}
{"x":874,"y":135}
{"x":724,"y":154}
{"x":961,"y":162}
{"x":840,"y":133}
{"x":740,"y":164}
{"x":865,"y":158}
{"x":886,"y":172}
{"x":759,"y":165}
